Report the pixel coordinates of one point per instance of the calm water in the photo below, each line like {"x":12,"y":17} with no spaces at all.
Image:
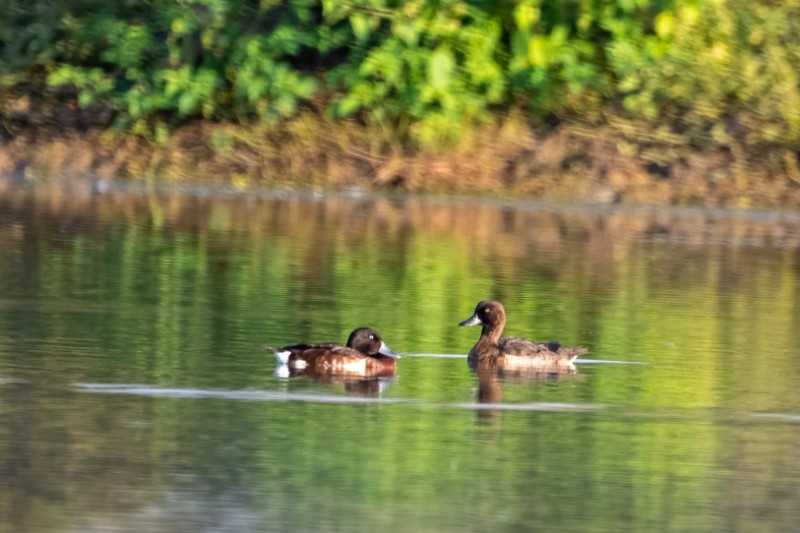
{"x":135,"y":394}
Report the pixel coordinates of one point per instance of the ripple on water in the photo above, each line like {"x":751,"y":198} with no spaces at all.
{"x":580,"y":360}
{"x":779,"y":416}
{"x":280,"y":396}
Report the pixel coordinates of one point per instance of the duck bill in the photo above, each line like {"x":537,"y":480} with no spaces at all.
{"x":385,"y":350}
{"x":471,"y":321}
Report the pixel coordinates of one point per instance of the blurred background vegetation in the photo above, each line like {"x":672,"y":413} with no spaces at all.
{"x":664,"y":78}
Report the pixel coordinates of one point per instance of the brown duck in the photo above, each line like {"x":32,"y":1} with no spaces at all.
{"x":365,"y":354}
{"x":513,"y":352}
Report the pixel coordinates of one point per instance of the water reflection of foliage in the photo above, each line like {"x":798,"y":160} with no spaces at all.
{"x":625,"y":281}
{"x":182,"y":278}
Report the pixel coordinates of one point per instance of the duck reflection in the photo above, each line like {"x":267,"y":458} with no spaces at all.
{"x":492,"y":377}
{"x":373,"y":386}
{"x":368,"y":387}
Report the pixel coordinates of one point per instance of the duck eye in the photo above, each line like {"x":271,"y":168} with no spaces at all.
{"x":486,"y":310}
{"x":372,"y":337}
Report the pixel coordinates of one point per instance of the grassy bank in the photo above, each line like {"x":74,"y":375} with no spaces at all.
{"x":507,"y":157}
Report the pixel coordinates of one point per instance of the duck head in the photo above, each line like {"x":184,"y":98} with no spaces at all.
{"x":488,"y":313}
{"x":367,"y":341}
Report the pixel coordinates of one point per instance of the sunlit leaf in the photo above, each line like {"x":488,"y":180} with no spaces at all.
{"x":407,"y":32}
{"x":348,"y":106}
{"x":664,"y":24}
{"x":178,"y":26}
{"x":525,"y":15}
{"x":186,"y":103}
{"x":440,"y":68}
{"x":537,"y":51}
{"x":360,"y":25}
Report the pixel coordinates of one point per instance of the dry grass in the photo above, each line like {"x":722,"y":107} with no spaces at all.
{"x":600,"y":164}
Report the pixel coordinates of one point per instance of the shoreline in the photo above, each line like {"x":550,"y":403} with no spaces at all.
{"x":506,"y":159}
{"x":608,"y":232}
{"x":63,"y":190}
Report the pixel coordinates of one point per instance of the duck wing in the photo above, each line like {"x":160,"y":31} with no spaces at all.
{"x":310,"y":351}
{"x":332,"y":350}
{"x":551,"y":350}
{"x":524,"y":347}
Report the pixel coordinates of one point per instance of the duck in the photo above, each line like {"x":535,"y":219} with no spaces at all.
{"x":364,"y":355}
{"x":513,"y":352}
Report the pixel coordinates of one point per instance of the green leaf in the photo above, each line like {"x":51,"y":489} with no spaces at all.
{"x":525,"y":15}
{"x":360,"y":25}
{"x":162,"y":133}
{"x":440,"y":68}
{"x":186,"y":103}
{"x":85,"y":98}
{"x":664,"y":24}
{"x":537,"y":51}
{"x":407,"y":32}
{"x":348,"y":106}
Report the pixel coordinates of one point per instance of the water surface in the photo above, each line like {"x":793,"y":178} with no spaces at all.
{"x":135,"y":393}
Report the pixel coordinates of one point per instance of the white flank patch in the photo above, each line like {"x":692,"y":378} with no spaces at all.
{"x":299,"y":364}
{"x":283,"y":357}
{"x":519,"y":361}
{"x":358,"y":367}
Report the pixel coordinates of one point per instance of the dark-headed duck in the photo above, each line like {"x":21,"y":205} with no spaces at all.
{"x":513,"y":352}
{"x":364,"y":355}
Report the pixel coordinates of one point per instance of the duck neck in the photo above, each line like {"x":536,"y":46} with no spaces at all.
{"x":491,"y":332}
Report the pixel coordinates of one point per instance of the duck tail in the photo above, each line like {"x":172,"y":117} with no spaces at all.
{"x":577,"y":353}
{"x":281,"y":355}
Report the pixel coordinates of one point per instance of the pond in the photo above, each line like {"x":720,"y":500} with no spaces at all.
{"x":136,"y":395}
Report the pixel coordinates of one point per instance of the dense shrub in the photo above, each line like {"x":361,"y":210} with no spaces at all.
{"x":711,"y":72}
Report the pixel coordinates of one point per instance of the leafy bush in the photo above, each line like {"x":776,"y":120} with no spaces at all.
{"x":714,"y":72}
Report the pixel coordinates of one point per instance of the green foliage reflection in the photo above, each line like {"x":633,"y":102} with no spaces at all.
{"x":181,"y":293}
